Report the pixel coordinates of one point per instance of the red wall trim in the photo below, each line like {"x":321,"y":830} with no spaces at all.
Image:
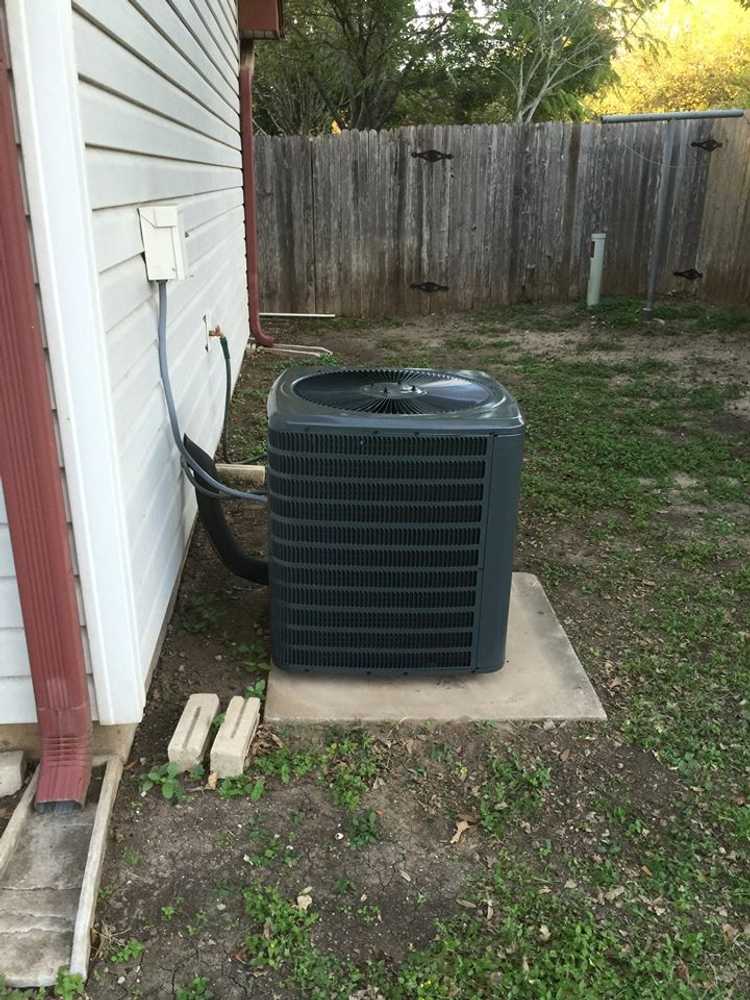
{"x":247,"y":68}
{"x":30,"y":473}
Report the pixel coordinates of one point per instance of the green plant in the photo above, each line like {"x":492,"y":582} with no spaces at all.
{"x":243,"y":786}
{"x":167,"y":777}
{"x":369,"y":914}
{"x":283,"y":928}
{"x":364,"y":828}
{"x":9,"y":993}
{"x":268,"y":847}
{"x":350,"y":765}
{"x":168,"y":912}
{"x":196,"y":990}
{"x":198,"y":614}
{"x":68,"y":985}
{"x":512,"y":790}
{"x":256,"y":690}
{"x":129,"y":952}
{"x":280,"y":940}
{"x":131,"y":857}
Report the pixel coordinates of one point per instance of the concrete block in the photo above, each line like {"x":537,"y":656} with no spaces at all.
{"x":232,"y":743}
{"x":188,"y":744}
{"x":12,"y":767}
{"x":542,"y":678}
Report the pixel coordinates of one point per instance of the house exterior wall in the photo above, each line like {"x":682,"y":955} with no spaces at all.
{"x":159,"y":103}
{"x":156,"y":120}
{"x":16,"y":694}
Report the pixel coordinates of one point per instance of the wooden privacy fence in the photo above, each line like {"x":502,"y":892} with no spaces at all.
{"x":362,"y":224}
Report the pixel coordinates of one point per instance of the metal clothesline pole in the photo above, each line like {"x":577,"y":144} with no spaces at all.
{"x":665,"y":181}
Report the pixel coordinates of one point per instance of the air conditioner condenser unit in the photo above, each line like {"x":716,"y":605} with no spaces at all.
{"x":393,"y":497}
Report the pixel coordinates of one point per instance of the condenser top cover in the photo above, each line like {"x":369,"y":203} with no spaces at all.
{"x":393,"y":398}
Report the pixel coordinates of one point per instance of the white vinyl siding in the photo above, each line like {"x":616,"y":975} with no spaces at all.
{"x":16,"y":693}
{"x":159,"y":108}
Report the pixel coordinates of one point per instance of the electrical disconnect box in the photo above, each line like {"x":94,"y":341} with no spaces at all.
{"x":163,"y":243}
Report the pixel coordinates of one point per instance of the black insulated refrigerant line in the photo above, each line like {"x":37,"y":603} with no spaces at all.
{"x":201,"y":472}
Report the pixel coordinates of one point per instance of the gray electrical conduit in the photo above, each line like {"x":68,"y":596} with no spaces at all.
{"x":193,"y":470}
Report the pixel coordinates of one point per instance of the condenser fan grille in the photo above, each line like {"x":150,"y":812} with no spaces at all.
{"x":392,"y":391}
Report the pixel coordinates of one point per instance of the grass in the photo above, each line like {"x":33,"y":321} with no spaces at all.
{"x":596,"y":862}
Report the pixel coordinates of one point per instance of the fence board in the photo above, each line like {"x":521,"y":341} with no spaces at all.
{"x":348,"y":223}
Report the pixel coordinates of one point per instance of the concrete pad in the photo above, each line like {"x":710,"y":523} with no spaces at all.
{"x":188,"y":744}
{"x":232,"y":743}
{"x":11,"y":772}
{"x":542,"y":679}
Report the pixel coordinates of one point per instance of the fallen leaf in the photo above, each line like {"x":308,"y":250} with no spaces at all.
{"x":212,"y":780}
{"x":304,"y":902}
{"x":614,"y":893}
{"x":730,"y":933}
{"x":490,"y":910}
{"x":565,"y":756}
{"x":467,"y":904}
{"x":682,"y":972}
{"x":570,"y":884}
{"x":405,"y":876}
{"x":461,"y":827}
{"x":544,"y":932}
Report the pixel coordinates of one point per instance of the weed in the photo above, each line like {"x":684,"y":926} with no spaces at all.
{"x":166,"y":777}
{"x":196,"y":990}
{"x":350,"y":767}
{"x":364,"y":828}
{"x":513,"y":790}
{"x":369,"y":914}
{"x":281,"y":939}
{"x":256,"y":690}
{"x":268,"y":847}
{"x":130,"y":952}
{"x":68,"y":985}
{"x":199,"y":613}
{"x":286,"y":764}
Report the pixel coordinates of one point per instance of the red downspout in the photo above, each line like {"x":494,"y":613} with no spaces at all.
{"x":247,"y":68}
{"x":30,"y":473}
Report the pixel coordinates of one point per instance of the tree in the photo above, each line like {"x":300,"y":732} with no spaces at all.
{"x":702,"y":61}
{"x":375,"y":63}
{"x":522,"y":60}
{"x":355,"y":56}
